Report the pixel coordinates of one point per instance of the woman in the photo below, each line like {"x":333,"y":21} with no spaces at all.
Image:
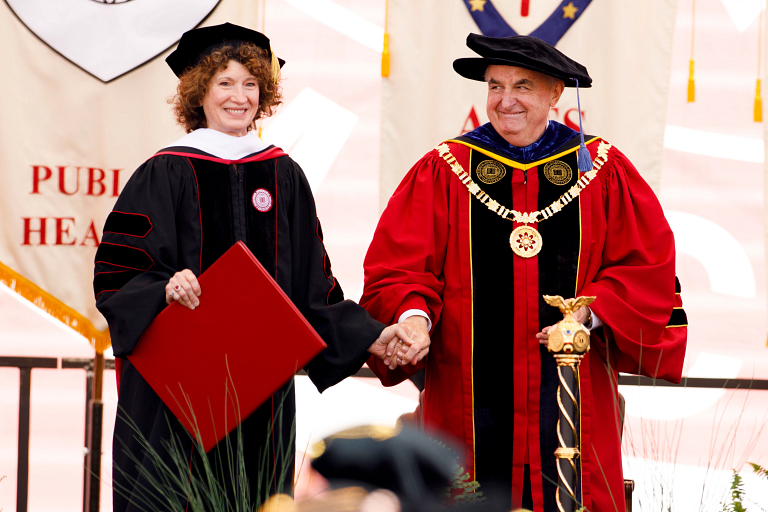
{"x":218,"y":185}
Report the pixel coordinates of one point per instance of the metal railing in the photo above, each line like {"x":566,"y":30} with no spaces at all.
{"x":93,"y":425}
{"x":94,"y":415}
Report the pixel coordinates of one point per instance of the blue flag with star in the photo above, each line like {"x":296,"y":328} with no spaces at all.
{"x":492,"y":24}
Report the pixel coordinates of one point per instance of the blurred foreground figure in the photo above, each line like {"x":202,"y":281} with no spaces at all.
{"x":483,"y":226}
{"x":380,"y":469}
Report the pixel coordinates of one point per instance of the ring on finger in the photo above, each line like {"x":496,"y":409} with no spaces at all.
{"x":171,"y":294}
{"x":177,"y":287}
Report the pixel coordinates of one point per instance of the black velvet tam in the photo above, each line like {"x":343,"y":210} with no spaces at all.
{"x":199,"y":42}
{"x":409,"y":463}
{"x":520,"y":51}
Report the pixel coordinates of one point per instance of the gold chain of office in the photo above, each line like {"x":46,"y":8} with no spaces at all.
{"x":524,"y":240}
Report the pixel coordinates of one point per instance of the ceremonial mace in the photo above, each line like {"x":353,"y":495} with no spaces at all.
{"x":568,"y":341}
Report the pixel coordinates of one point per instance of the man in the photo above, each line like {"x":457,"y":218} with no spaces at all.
{"x":443,"y":260}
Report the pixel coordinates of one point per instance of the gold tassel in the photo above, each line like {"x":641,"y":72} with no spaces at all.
{"x":385,"y":50}
{"x":275,"y":68}
{"x":758,"y":104}
{"x":691,"y":85}
{"x":385,"y":56}
{"x":691,"y":82}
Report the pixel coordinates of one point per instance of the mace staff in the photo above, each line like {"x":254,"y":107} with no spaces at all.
{"x":568,"y":341}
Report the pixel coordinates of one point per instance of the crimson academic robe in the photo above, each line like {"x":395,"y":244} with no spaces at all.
{"x":184,"y":208}
{"x":489,"y":383}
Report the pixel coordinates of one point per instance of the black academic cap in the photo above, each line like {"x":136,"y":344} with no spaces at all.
{"x":199,"y":42}
{"x":409,"y":463}
{"x":523,"y":52}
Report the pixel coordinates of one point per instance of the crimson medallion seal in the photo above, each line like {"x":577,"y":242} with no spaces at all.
{"x":262,"y":200}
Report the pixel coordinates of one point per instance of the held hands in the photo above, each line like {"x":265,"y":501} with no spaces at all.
{"x":184,"y":288}
{"x":580,"y":315}
{"x":403,"y":343}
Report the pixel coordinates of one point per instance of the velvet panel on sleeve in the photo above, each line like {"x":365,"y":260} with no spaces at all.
{"x":144,"y":245}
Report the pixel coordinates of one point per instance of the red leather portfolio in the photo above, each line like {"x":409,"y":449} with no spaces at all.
{"x":246,"y":338}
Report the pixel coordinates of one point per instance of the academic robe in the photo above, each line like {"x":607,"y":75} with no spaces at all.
{"x":489,"y":383}
{"x":184,"y":208}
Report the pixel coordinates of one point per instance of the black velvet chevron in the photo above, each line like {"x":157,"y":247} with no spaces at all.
{"x":678,"y":318}
{"x":131,"y":224}
{"x":124,"y":256}
{"x":111,"y":281}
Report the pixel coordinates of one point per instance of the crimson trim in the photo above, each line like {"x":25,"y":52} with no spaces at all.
{"x":118,"y":372}
{"x":328,"y":297}
{"x":123,"y":266}
{"x":277,"y":212}
{"x":113,"y":272}
{"x":128,"y":234}
{"x":264,"y":155}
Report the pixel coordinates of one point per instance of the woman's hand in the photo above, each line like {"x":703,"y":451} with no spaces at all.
{"x":388,"y":341}
{"x":183,"y":287}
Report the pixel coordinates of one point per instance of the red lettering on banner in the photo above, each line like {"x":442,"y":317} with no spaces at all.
{"x":115,"y":182}
{"x":98,"y":180}
{"x":90,"y":234}
{"x":36,"y":179}
{"x":63,"y":235}
{"x":567,"y":118}
{"x":28,"y":230}
{"x":61,"y":230}
{"x":62,"y":175}
{"x":472,"y":120}
{"x":92,"y":181}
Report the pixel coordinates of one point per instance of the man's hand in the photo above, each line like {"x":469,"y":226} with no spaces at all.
{"x":580,"y":315}
{"x":417,"y":328}
{"x":403,"y":343}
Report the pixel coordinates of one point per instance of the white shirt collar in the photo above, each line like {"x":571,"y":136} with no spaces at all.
{"x":222,"y":145}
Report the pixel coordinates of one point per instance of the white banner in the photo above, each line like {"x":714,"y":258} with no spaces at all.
{"x":626,"y":48}
{"x":74,"y":125}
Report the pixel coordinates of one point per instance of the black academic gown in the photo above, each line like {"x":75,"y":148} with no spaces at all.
{"x":184,"y":208}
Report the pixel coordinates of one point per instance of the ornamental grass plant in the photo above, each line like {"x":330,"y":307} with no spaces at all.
{"x":179,"y":486}
{"x":652,"y":451}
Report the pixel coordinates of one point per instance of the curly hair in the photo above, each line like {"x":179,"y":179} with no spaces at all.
{"x":194,"y":83}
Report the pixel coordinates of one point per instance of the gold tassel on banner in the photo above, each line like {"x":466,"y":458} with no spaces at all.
{"x":260,"y":122}
{"x":691,"y":85}
{"x":691,"y":81}
{"x":385,"y":51}
{"x":758,"y":100}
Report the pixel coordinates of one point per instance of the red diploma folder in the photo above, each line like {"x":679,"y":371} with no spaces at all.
{"x":246,"y":334}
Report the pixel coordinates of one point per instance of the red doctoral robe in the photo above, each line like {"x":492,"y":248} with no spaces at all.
{"x":489,"y":384}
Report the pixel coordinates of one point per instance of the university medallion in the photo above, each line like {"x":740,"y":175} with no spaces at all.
{"x":490,"y":171}
{"x":525,"y":241}
{"x":557,"y":172}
